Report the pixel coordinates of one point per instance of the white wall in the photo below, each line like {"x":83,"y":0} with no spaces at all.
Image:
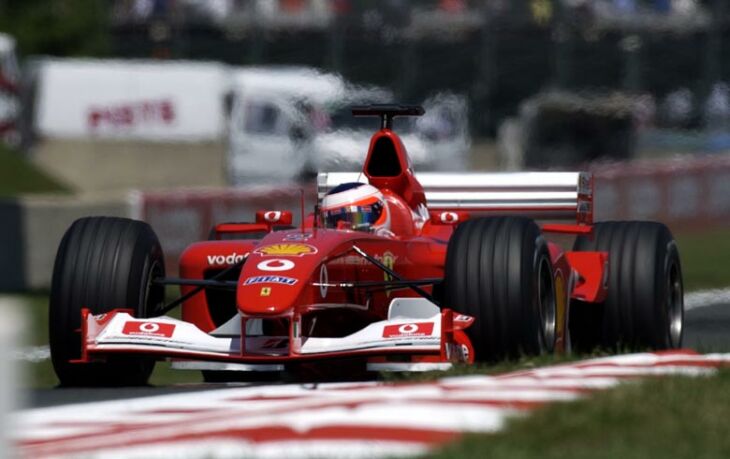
{"x":131,"y":100}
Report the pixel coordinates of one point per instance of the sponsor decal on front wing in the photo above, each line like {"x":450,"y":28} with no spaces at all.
{"x":408,"y":330}
{"x":158,"y":329}
{"x":286,"y":250}
{"x":270,"y":280}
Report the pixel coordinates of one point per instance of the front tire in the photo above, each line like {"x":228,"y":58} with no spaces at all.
{"x":103,"y":263}
{"x":499,"y":271}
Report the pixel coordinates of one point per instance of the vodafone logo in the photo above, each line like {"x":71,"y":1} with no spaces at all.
{"x":408,"y":330}
{"x":276,"y":264}
{"x":231,"y":259}
{"x":157,"y":329}
{"x":149,"y":327}
{"x":449,"y":217}
{"x":272,"y":216}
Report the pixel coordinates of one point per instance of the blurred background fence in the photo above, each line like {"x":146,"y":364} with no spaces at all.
{"x":498,"y":52}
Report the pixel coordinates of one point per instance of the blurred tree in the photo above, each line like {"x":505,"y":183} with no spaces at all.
{"x":57,"y":27}
{"x":542,"y":11}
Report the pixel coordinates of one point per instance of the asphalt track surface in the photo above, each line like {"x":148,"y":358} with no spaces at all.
{"x":707,"y":329}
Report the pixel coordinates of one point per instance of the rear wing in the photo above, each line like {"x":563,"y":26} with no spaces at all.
{"x":539,"y":195}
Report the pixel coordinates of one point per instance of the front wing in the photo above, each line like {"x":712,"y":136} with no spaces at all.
{"x":438,"y":339}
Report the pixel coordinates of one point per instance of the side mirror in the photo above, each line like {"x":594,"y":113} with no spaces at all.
{"x":274,"y":217}
{"x":448,"y":217}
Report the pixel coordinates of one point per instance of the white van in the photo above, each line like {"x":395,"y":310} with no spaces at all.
{"x":273,"y":120}
{"x":437,"y":141}
{"x":147,"y":100}
{"x":151,"y":123}
{"x":9,"y":101}
{"x":288,"y":122}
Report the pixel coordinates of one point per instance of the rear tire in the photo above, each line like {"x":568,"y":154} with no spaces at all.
{"x":644,"y":307}
{"x":498,"y":270}
{"x":103,"y":263}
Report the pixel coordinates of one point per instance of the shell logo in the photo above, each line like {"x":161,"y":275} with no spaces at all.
{"x":286,"y":250}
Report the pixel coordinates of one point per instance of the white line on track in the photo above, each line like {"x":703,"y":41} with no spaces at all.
{"x":32,"y":354}
{"x":703,"y":298}
{"x":235,"y":449}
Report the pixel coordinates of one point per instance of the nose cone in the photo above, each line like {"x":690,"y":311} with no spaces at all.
{"x":268,"y":294}
{"x":275,"y":279}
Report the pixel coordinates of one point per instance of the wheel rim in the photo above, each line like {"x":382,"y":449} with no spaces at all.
{"x":154,"y":295}
{"x":675,"y":306}
{"x":546,"y":306}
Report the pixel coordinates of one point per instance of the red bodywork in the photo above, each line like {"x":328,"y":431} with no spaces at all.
{"x":297,"y":281}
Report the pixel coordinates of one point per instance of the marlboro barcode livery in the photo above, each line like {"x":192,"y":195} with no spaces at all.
{"x":392,"y":271}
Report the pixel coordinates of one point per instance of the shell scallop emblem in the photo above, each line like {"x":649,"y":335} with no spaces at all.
{"x":286,"y":250}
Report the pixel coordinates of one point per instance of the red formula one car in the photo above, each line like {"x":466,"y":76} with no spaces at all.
{"x":393,"y":270}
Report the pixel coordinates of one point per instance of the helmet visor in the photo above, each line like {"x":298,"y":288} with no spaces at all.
{"x":353,"y":217}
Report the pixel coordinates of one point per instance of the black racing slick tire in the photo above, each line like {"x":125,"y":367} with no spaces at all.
{"x":103,"y":263}
{"x":644,"y":308}
{"x":498,"y":270}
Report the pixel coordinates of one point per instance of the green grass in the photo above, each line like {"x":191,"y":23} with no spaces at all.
{"x":17,"y":176}
{"x":668,"y":418}
{"x":705,"y":258}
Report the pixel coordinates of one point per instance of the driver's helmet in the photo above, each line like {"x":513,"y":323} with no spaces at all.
{"x":355,"y":206}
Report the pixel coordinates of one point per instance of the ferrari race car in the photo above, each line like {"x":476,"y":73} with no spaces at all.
{"x":393,"y":270}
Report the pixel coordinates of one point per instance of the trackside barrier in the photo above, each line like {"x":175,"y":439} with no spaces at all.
{"x":685,"y":193}
{"x":185,"y":216}
{"x":31,"y":228}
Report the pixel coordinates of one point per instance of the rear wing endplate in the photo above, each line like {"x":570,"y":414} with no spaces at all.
{"x":539,"y":195}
